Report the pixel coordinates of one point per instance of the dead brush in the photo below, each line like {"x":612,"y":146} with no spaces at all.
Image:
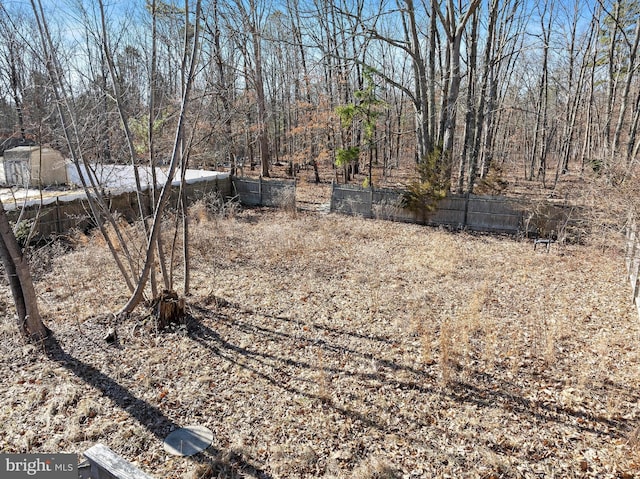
{"x":214,"y":207}
{"x":426,"y":335}
{"x":549,"y":341}
{"x":123,"y":235}
{"x":41,"y":258}
{"x":447,"y":353}
{"x":543,"y":331}
{"x":375,"y":304}
{"x":199,"y":213}
{"x":286,"y":201}
{"x":455,"y":343}
{"x":222,"y":465}
{"x":470,"y":322}
{"x":633,"y":441}
{"x":294,"y":461}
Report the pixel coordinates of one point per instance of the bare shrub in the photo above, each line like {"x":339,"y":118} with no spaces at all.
{"x":554,"y":222}
{"x":286,"y":200}
{"x":387,"y":209}
{"x":41,"y":258}
{"x":213,"y":206}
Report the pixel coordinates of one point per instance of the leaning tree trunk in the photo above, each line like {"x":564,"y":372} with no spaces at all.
{"x":17,"y":268}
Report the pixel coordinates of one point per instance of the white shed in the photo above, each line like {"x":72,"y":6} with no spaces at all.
{"x":34,"y":166}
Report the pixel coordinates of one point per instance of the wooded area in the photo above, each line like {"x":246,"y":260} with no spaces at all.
{"x":540,"y":86}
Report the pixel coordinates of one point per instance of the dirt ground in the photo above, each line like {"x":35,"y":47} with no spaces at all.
{"x":327,"y":346}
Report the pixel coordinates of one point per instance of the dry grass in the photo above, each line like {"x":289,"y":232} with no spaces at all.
{"x":326,"y":346}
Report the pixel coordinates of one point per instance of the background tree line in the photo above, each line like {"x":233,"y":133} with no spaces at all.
{"x":546,"y":86}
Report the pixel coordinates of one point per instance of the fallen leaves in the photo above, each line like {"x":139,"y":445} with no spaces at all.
{"x":312,"y":352}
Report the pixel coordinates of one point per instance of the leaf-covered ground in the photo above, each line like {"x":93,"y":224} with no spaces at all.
{"x":328,"y":346}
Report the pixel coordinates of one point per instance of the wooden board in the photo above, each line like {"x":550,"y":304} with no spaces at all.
{"x":106,"y":464}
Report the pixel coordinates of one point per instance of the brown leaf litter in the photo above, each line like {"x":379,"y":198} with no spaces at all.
{"x":328,"y":346}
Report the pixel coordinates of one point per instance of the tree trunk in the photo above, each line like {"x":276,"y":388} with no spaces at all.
{"x":483,"y":97}
{"x":14,"y":285}
{"x":631,"y":70}
{"x":433,"y":32}
{"x":69,"y":129}
{"x":454,"y":36}
{"x":16,"y":87}
{"x":576,"y":95}
{"x":613,"y":71}
{"x":467,"y":155}
{"x":422,"y":85}
{"x":538,"y":158}
{"x":168,"y":309}
{"x":30,"y":322}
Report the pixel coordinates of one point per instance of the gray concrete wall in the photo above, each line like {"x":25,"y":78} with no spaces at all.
{"x":495,"y":214}
{"x":61,"y":214}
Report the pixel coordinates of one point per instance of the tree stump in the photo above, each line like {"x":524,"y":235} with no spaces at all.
{"x":168,"y":308}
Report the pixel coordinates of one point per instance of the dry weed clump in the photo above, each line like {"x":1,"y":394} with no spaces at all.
{"x":286,"y":201}
{"x":325,"y":346}
{"x":424,"y":330}
{"x":448,"y":364}
{"x":214,"y":207}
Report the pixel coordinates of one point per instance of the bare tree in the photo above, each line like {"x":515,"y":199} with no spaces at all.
{"x":15,"y":71}
{"x":190,"y":60}
{"x":421,"y":88}
{"x":538,"y":154}
{"x":219,"y":60}
{"x":248,"y":19}
{"x":575,"y":87}
{"x":97,"y":204}
{"x":630,"y":74}
{"x":454,"y":23}
{"x":470,"y":128}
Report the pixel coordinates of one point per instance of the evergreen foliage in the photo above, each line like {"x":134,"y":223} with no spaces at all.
{"x":429,"y":187}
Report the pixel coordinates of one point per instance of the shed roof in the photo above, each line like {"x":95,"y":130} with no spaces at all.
{"x":24,"y":148}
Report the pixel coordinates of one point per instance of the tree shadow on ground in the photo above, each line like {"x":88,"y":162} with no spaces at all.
{"x":489,"y":392}
{"x":248,"y":327}
{"x":148,"y":416}
{"x":212,"y":341}
{"x":481,"y":389}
